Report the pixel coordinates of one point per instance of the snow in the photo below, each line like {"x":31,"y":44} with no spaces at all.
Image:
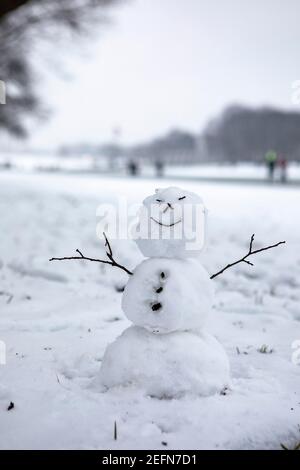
{"x":180,"y":292}
{"x":58,"y":318}
{"x":89,"y":163}
{"x":171,"y":224}
{"x":246,"y":170}
{"x":166,"y":366}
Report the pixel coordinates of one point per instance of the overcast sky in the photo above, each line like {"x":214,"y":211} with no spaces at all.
{"x":175,"y":63}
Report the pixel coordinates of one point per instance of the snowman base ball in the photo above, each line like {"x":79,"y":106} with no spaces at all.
{"x":166,"y":366}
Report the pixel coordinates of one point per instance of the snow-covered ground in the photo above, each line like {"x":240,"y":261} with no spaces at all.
{"x":87,"y":163}
{"x":250,"y":171}
{"x":57,"y":319}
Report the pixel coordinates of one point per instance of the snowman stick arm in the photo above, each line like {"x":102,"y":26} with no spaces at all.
{"x":244,"y":258}
{"x":109,"y":254}
{"x":63,"y":258}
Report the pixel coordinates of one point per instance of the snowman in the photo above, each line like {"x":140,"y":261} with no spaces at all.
{"x":167,"y":351}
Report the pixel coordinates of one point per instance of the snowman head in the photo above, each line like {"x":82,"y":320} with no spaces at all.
{"x":171,"y":224}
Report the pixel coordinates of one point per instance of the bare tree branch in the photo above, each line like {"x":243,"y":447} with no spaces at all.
{"x":244,"y":260}
{"x":25,"y":26}
{"x":7,"y":6}
{"x":109,"y":254}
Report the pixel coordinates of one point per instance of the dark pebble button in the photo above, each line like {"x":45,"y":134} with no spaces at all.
{"x":156,"y":307}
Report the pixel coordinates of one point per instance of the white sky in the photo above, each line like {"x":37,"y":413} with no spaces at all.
{"x":174,"y":63}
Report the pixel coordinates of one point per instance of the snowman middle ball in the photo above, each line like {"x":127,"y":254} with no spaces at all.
{"x":166,"y":295}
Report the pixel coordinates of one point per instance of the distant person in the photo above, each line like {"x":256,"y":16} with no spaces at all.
{"x":159,"y":168}
{"x":6,"y":165}
{"x":282,"y":164}
{"x":271,"y":158}
{"x":132,"y":168}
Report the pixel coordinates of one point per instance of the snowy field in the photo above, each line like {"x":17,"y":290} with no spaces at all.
{"x":57,"y":319}
{"x":87,"y":163}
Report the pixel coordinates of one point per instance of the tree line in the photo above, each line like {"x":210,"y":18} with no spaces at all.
{"x":239,"y":133}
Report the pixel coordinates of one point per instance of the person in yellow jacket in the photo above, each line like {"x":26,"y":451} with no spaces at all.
{"x":271,"y":158}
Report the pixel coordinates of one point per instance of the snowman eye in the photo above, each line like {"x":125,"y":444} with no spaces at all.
{"x":158,"y":200}
{"x":182,"y":197}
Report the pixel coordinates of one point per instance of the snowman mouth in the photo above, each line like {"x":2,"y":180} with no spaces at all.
{"x":165,"y":225}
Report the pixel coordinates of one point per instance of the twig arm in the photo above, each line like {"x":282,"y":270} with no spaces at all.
{"x":109,"y":254}
{"x":113,"y":262}
{"x":244,"y":258}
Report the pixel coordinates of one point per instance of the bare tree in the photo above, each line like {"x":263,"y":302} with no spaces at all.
{"x":24,"y":23}
{"x":7,"y":6}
